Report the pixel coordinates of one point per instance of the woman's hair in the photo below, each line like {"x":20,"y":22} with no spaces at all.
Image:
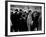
{"x":29,"y":11}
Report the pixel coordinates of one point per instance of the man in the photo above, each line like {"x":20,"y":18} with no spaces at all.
{"x":14,"y":20}
{"x":22,"y":21}
{"x":35,"y":16}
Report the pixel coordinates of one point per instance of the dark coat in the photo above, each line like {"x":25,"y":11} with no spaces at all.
{"x":18,"y":24}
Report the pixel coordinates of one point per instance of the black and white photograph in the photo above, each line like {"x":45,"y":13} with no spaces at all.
{"x":25,"y":18}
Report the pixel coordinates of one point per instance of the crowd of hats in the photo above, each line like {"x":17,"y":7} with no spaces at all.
{"x":22,"y":10}
{"x":26,"y":12}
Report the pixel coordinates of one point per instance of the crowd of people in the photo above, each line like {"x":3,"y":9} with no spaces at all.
{"x":25,"y":21}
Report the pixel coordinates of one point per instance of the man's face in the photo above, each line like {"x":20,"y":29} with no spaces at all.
{"x":35,"y":14}
{"x":24,"y":15}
